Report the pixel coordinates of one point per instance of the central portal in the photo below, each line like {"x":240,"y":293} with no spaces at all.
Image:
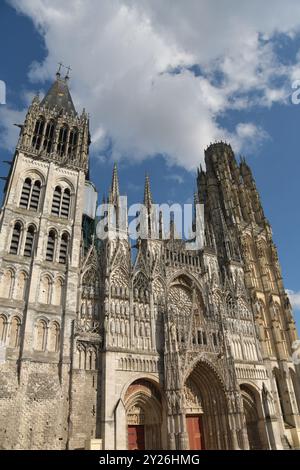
{"x":206,"y":411}
{"x":194,"y":429}
{"x":136,"y":437}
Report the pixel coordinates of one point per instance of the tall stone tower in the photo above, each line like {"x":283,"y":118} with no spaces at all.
{"x":40,"y":244}
{"x":246,"y":251}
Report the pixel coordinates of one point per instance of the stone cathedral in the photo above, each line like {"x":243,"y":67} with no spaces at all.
{"x":167,"y":349}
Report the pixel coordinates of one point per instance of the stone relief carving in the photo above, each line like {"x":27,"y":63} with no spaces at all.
{"x":192,"y":398}
{"x":135,"y":415}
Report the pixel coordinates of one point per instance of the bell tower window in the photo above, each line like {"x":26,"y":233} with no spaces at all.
{"x":50,"y":246}
{"x":38,"y":133}
{"x":25,"y":195}
{"x":15,"y":240}
{"x":49,"y":137}
{"x":29,"y":241}
{"x":63,"y":251}
{"x":30,"y":194}
{"x":65,"y":205}
{"x":73,"y":140}
{"x":56,"y":201}
{"x":61,"y":202}
{"x":62,"y":141}
{"x":35,"y":196}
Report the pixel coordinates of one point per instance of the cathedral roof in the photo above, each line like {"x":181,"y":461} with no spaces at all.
{"x":59,"y":96}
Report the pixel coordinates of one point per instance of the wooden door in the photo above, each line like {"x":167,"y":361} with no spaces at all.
{"x":195,"y":432}
{"x":136,"y":437}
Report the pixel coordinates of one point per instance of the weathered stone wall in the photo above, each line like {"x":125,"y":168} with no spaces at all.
{"x":85,"y":407}
{"x":33,"y":413}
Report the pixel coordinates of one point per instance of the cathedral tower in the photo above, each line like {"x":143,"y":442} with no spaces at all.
{"x":246,"y":251}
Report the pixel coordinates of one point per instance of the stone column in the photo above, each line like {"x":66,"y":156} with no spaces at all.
{"x":183,"y":435}
{"x":171,"y":433}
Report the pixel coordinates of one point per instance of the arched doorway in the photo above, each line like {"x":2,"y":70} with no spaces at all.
{"x":143,"y":415}
{"x":194,"y":415}
{"x":250,"y":406}
{"x":206,"y":410}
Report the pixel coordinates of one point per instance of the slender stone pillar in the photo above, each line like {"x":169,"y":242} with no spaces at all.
{"x":183,"y":435}
{"x":171,"y":433}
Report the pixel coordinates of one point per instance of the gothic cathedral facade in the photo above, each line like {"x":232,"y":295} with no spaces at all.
{"x":170,"y":349}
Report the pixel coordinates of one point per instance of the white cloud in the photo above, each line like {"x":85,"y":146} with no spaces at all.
{"x":248,"y":137}
{"x":100,"y":158}
{"x":175,"y":177}
{"x":294,"y":298}
{"x":123,"y":53}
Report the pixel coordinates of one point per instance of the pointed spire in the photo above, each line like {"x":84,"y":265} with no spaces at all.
{"x":115,"y":182}
{"x":196,"y":201}
{"x":172,"y":229}
{"x":58,"y":96}
{"x":152,"y":228}
{"x":147,"y":193}
{"x":114,"y":192}
{"x":160,"y":226}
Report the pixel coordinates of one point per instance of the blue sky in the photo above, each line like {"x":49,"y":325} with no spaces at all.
{"x":237,"y":87}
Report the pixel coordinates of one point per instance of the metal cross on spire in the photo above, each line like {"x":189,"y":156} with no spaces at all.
{"x":60,"y":65}
{"x":68,"y":71}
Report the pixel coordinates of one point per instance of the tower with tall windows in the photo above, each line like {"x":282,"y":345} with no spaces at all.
{"x":40,"y":240}
{"x":246,"y":248}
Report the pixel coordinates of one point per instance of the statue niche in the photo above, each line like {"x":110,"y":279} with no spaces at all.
{"x":90,"y":299}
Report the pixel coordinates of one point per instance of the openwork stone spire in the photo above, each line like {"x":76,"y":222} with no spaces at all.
{"x":115,"y":191}
{"x":147,"y":193}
